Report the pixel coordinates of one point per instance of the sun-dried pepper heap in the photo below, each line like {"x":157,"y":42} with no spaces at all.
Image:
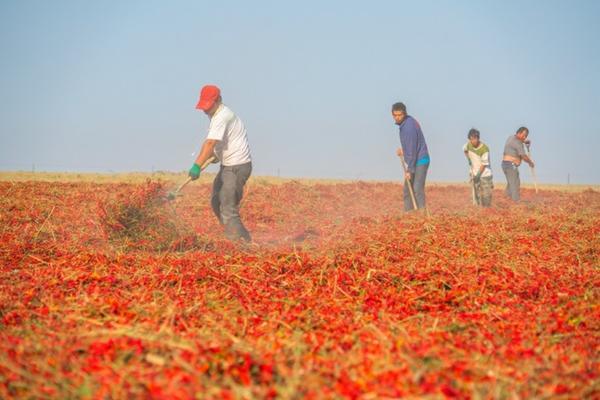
{"x":344,"y":296}
{"x":143,"y":219}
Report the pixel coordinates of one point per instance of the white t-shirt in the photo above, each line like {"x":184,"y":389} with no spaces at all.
{"x":479,"y":156}
{"x":232,"y":147}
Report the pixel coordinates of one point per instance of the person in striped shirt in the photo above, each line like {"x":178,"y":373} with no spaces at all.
{"x":478,"y":156}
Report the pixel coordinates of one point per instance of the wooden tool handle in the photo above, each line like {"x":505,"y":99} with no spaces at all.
{"x":207,"y":162}
{"x":188,"y":180}
{"x":410,"y":189}
{"x":202,"y":168}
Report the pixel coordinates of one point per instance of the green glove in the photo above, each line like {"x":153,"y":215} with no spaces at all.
{"x":194,"y":172}
{"x":477,"y":177}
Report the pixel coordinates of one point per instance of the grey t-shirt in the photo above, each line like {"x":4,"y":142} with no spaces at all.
{"x":514,"y":147}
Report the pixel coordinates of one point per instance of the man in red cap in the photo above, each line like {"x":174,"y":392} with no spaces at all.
{"x":228,"y":142}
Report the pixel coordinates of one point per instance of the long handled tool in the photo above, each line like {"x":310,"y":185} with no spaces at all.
{"x":173,"y":194}
{"x":532,"y":168}
{"x":473,"y":189}
{"x":407,"y":181}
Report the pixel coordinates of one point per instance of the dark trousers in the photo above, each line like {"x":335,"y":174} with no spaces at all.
{"x":483,"y":191}
{"x":513,"y":182}
{"x":417,"y":180}
{"x":227,"y":193}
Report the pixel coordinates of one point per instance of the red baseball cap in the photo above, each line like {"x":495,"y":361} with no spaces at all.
{"x":208,"y":95}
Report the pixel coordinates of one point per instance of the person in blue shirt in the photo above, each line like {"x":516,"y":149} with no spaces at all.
{"x":416,"y":156}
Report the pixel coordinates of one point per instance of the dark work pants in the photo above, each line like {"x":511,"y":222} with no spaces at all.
{"x":418,"y":184}
{"x":483,"y":190}
{"x":513,"y":182}
{"x":227,"y":193}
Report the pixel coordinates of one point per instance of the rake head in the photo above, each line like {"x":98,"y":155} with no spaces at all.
{"x":172,"y":195}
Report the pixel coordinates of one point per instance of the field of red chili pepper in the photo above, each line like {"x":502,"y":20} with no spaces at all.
{"x":110,"y":292}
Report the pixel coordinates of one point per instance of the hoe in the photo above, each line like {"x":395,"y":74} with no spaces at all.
{"x":174,"y":193}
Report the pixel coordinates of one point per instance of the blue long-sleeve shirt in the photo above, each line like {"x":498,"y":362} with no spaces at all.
{"x":413,"y":143}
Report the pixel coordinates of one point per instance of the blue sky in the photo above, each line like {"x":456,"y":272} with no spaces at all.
{"x":111,"y":85}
